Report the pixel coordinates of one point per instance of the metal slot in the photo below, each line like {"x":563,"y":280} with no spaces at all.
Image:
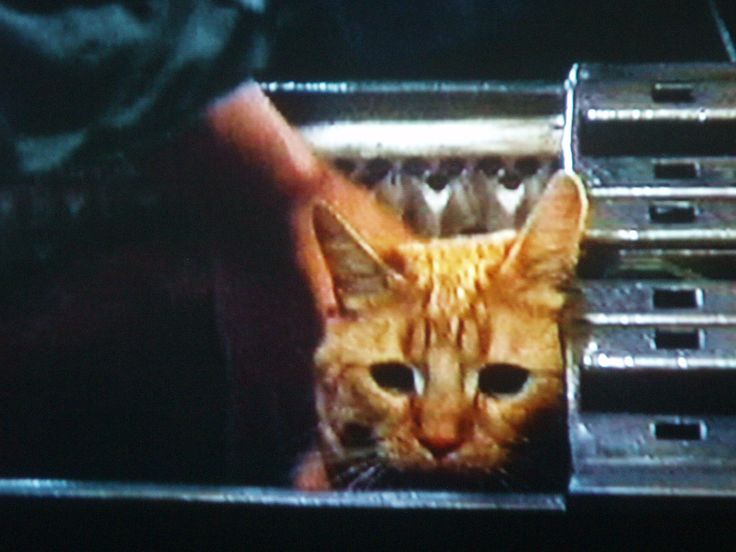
{"x":672,"y":92}
{"x":602,"y":263}
{"x":678,"y":431}
{"x":677,"y":171}
{"x":623,"y":176}
{"x":375,"y":170}
{"x":677,"y":298}
{"x":672,"y":213}
{"x":678,"y":339}
{"x":657,"y":138}
{"x":710,"y":264}
{"x":605,"y":262}
{"x":671,"y":392}
{"x":624,"y":341}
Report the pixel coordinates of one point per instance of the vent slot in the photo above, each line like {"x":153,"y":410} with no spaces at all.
{"x":678,"y":339}
{"x":673,"y":92}
{"x":375,"y":170}
{"x":674,"y":265}
{"x":657,"y":138}
{"x":678,"y":431}
{"x":675,"y":171}
{"x":676,"y":298}
{"x":672,"y":213}
{"x":665,"y":392}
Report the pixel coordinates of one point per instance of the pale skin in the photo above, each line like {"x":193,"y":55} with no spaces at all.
{"x":436,"y":354}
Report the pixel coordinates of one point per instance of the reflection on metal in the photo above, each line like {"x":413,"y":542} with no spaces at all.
{"x":392,"y":89}
{"x":650,"y":113}
{"x":463,"y":137}
{"x":660,"y":192}
{"x":655,"y":319}
{"x":568,"y":159}
{"x":723,"y":31}
{"x":694,"y":236}
{"x":265,"y":496}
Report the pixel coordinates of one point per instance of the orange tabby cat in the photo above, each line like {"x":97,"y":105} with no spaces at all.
{"x":436,"y":354}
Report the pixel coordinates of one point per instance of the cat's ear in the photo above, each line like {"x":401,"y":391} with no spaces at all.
{"x":546,"y":249}
{"x":357,"y":273}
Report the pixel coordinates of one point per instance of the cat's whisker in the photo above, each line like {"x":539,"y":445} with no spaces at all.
{"x":380,"y":476}
{"x":376,"y":477}
{"x":347,"y":475}
{"x":356,"y":471}
{"x":504,"y":479}
{"x":364,"y":477}
{"x":348,"y":472}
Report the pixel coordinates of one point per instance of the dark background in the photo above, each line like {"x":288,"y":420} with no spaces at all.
{"x":498,"y":40}
{"x":119,"y":344}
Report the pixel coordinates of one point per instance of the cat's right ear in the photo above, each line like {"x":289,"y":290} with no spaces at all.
{"x":352,"y":270}
{"x":547,"y":247}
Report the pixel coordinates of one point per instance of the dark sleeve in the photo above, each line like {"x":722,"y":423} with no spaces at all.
{"x":85,"y":80}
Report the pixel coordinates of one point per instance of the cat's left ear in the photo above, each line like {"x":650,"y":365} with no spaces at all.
{"x":357,"y":274}
{"x":547,"y":248}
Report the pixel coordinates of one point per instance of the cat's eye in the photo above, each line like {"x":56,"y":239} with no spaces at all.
{"x":502,"y":379}
{"x":394,"y":376}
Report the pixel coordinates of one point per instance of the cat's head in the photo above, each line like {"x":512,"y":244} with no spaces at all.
{"x":439,"y":353}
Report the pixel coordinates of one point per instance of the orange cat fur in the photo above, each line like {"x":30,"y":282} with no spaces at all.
{"x":436,"y":354}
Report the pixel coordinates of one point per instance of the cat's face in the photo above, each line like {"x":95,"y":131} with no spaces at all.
{"x":442,"y":352}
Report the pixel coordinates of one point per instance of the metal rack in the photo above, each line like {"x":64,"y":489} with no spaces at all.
{"x":652,"y":380}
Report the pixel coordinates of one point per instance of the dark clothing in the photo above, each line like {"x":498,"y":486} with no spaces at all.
{"x":86,"y":80}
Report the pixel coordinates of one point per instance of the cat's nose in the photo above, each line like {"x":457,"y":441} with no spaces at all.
{"x":440,"y":446}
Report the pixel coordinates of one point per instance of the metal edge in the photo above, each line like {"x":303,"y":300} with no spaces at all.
{"x":578,"y":487}
{"x":413,"y":87}
{"x":275,"y":497}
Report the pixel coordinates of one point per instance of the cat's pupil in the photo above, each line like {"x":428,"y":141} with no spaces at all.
{"x":502,"y":379}
{"x":393,"y":376}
